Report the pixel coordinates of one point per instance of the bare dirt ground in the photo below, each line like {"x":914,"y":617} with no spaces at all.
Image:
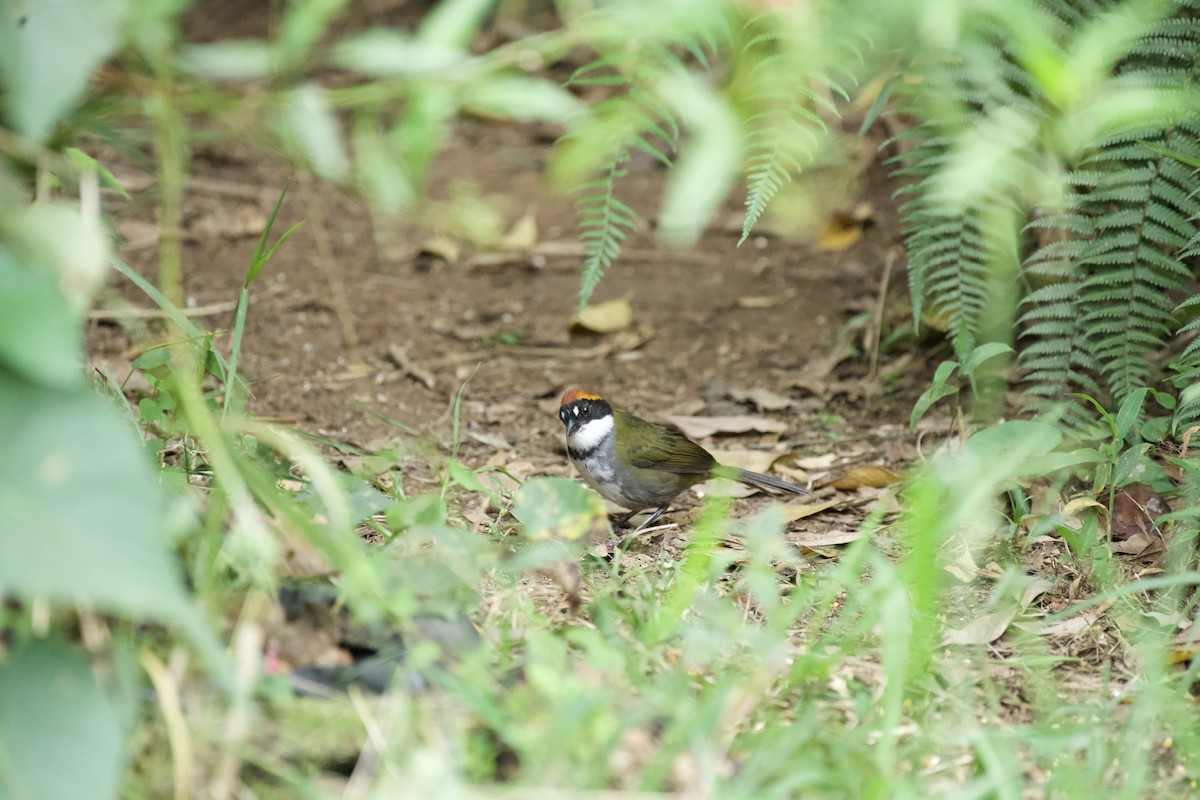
{"x":349,"y":320}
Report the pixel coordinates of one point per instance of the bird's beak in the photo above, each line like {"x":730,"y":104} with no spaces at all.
{"x":572,"y":423}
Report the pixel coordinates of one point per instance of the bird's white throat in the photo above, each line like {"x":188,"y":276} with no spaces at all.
{"x":591,"y":433}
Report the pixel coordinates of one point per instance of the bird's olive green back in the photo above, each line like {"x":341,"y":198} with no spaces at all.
{"x":650,"y":446}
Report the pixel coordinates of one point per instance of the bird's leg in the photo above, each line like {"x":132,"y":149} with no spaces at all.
{"x":622,"y":520}
{"x":658,"y":512}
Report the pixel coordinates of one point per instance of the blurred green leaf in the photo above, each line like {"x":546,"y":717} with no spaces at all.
{"x":82,"y":163}
{"x":379,"y":167}
{"x":39,"y":336}
{"x":81,"y":510}
{"x":60,"y":735}
{"x":520,"y":98}
{"x":939,"y":387}
{"x":57,"y":238}
{"x":48,"y":50}
{"x":559,"y":508}
{"x":708,"y":164}
{"x":413,"y":512}
{"x":384,"y":52}
{"x":1003,"y":451}
{"x":454,"y":23}
{"x":304,"y":23}
{"x":315,"y":130}
{"x":230,"y":59}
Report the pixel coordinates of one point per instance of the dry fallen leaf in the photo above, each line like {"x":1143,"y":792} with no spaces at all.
{"x":795,"y":511}
{"x":958,"y":561}
{"x":763,"y":399}
{"x":1072,"y":626}
{"x":814,"y":540}
{"x":757,"y":301}
{"x":441,"y":247}
{"x":814,"y":463}
{"x":857,"y":477}
{"x":981,"y":630}
{"x":700,"y":427}
{"x":1185,"y":645}
{"x":1140,"y":545}
{"x":523,"y":234}
{"x":607,"y":317}
{"x":754,"y":460}
{"x":1135,"y":508}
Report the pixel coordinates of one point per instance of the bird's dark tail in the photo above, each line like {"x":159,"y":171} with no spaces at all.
{"x":760,"y":481}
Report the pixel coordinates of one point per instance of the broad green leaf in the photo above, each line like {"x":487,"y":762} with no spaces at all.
{"x":48,"y":51}
{"x":81,"y":511}
{"x":938,"y":388}
{"x":982,"y":353}
{"x":230,"y":59}
{"x":559,"y":508}
{"x":383,"y":53}
{"x":60,"y":734}
{"x":1130,"y":412}
{"x":521,"y":98}
{"x":315,"y":130}
{"x":39,"y":336}
{"x":1132,"y":465}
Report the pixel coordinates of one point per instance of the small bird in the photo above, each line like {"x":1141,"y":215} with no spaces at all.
{"x":638,"y":464}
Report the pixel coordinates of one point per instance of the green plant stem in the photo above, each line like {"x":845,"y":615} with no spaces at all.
{"x":170,"y":154}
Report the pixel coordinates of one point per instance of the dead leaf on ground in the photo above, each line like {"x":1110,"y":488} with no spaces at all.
{"x":815,"y":539}
{"x":982,"y":630}
{"x":795,"y":511}
{"x":844,"y":228}
{"x":1184,"y":646}
{"x":701,"y":427}
{"x":1140,"y":545}
{"x":758,"y":301}
{"x":814,"y":463}
{"x":990,"y":627}
{"x":1135,"y":509}
{"x":608,"y":317}
{"x":958,"y":561}
{"x":754,"y":460}
{"x":492,"y":441}
{"x":1073,"y":626}
{"x":1033,"y":590}
{"x":440,"y":247}
{"x":857,"y":477}
{"x":763,"y":399}
{"x":522,"y":235}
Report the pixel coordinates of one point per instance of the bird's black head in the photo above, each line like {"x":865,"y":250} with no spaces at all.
{"x":579,"y":407}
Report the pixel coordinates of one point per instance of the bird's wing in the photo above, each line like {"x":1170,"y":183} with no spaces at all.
{"x":665,"y":449}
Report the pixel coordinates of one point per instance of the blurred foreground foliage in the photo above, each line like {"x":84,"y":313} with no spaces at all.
{"x":148,"y":552}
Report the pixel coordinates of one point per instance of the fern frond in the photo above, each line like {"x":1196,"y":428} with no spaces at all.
{"x":785,"y":134}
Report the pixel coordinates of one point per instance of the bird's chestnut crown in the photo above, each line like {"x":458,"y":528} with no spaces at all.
{"x":579,"y":406}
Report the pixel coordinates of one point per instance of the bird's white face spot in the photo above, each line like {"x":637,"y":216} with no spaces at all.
{"x":592,"y":432}
{"x":575,"y":411}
